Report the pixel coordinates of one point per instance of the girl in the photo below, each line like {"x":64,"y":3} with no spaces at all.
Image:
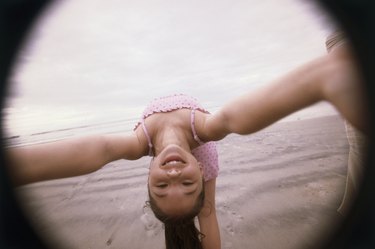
{"x":178,"y":133}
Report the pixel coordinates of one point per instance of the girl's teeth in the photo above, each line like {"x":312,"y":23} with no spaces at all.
{"x":173,"y":162}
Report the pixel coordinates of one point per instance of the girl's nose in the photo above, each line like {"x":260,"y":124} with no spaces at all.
{"x":173,"y":172}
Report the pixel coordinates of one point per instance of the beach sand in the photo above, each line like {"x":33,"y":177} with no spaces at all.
{"x":278,"y":188}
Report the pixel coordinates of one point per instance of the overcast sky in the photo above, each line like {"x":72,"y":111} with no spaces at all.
{"x":134,"y":48}
{"x":118,"y":54}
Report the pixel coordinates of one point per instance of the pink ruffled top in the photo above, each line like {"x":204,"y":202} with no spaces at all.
{"x":206,"y":153}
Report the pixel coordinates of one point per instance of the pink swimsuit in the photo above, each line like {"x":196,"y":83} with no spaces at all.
{"x":206,"y":153}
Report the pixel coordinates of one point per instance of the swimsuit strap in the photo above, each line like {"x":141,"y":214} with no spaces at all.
{"x":150,"y":153}
{"x":192,"y":122}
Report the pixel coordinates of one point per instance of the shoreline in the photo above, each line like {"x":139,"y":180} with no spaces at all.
{"x":318,"y":110}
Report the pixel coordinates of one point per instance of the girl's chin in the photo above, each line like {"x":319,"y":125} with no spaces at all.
{"x":172,"y":150}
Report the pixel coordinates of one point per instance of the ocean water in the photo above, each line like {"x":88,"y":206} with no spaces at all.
{"x":91,"y":66}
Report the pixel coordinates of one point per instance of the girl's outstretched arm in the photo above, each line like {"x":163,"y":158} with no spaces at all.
{"x":70,"y":157}
{"x":333,"y":78}
{"x":207,"y":218}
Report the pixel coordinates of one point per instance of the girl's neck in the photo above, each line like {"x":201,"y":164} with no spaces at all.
{"x":168,"y":135}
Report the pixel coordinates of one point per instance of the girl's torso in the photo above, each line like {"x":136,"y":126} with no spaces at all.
{"x":179,"y":112}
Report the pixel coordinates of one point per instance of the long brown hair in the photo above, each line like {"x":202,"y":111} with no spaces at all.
{"x":180,"y":231}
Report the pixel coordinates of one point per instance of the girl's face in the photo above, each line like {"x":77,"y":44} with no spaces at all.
{"x":175,"y":180}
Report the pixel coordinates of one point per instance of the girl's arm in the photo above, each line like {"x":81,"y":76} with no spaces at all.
{"x":332,"y":77}
{"x":207,"y":218}
{"x":70,"y":157}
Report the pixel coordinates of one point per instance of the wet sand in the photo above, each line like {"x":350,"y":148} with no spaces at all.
{"x":278,"y":188}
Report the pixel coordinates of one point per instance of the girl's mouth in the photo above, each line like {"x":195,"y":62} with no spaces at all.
{"x":173,"y":160}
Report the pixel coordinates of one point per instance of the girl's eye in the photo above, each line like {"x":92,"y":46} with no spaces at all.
{"x":164,"y":185}
{"x":187,"y":183}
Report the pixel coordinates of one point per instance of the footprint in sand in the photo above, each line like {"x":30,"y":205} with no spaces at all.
{"x":231,"y":219}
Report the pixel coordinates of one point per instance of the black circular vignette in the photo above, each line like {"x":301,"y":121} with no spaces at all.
{"x":357,"y":18}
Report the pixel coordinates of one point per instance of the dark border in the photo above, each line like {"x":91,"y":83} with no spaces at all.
{"x":357,"y":18}
{"x":16,"y":17}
